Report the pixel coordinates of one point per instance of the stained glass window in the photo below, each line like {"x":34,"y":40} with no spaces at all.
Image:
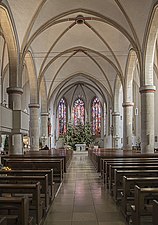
{"x":104,"y":118}
{"x":62,"y":116}
{"x":96,"y":117}
{"x":79,"y":111}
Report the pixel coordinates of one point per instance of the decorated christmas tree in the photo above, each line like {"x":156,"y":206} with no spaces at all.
{"x":79,"y":134}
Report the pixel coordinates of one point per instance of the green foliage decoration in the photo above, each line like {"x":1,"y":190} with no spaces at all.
{"x":78,"y":134}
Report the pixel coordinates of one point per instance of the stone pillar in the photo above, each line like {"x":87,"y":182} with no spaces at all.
{"x":44,"y":128}
{"x":127,"y":125}
{"x":16,"y":138}
{"x":34,"y":126}
{"x":116,"y":137}
{"x":102,"y":131}
{"x":147,"y":118}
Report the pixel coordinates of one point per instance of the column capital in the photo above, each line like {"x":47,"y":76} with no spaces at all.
{"x":115,"y":114}
{"x":34,"y":105}
{"x":147,"y":89}
{"x":44,"y":114}
{"x":15,"y":90}
{"x":127,"y":104}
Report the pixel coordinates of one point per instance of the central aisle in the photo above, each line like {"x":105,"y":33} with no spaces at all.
{"x":82,"y":199}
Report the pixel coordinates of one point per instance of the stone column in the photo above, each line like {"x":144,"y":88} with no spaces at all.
{"x":16,"y":138}
{"x":147,"y":118}
{"x":116,"y":137}
{"x":34,"y":126}
{"x":44,"y":128}
{"x":127,"y":125}
{"x":102,"y":131}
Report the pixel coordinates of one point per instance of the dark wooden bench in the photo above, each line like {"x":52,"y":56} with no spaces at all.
{"x":35,"y":206}
{"x":3,"y":220}
{"x":34,"y":173}
{"x":98,"y":155}
{"x":155,"y":212}
{"x":125,"y":162}
{"x":64,"y":154}
{"x":126,"y":167}
{"x":15,"y":210}
{"x":104,"y":164}
{"x":128,"y":190}
{"x":55,"y":164}
{"x":143,"y":204}
{"x":118,"y":179}
{"x":45,"y":193}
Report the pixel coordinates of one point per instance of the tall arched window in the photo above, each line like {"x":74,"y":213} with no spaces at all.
{"x":62,"y":116}
{"x":96,"y":116}
{"x":79,"y":111}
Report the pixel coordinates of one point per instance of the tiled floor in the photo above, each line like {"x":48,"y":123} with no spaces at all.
{"x":82,"y":199}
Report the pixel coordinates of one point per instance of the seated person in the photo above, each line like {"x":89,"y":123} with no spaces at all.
{"x":45,"y":148}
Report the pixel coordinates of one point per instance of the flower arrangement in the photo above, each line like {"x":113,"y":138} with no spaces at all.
{"x":6,"y":168}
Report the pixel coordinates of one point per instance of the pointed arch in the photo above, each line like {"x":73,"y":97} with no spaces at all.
{"x":9,"y":33}
{"x":34,"y":97}
{"x":130,"y":66}
{"x":149,"y":48}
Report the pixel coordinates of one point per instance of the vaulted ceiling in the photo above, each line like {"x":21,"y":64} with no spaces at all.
{"x":78,"y":43}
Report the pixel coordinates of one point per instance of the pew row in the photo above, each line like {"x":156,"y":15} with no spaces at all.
{"x":143,"y":205}
{"x":155,"y":212}
{"x":114,"y":168}
{"x":33,"y":173}
{"x":15,"y":210}
{"x":36,"y":206}
{"x":128,"y":190}
{"x":128,"y":162}
{"x":38,"y":164}
{"x":45,"y":192}
{"x":118,"y":179}
{"x":3,"y":220}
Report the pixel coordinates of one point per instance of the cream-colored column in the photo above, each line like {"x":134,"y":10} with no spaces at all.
{"x":34,"y":126}
{"x":44,"y":128}
{"x":147,"y":118}
{"x":127,"y":125}
{"x":102,"y":131}
{"x":16,"y":138}
{"x":116,"y":120}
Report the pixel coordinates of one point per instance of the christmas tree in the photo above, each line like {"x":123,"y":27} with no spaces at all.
{"x":78,"y":134}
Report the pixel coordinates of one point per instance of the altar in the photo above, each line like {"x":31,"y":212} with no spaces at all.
{"x":80,"y":147}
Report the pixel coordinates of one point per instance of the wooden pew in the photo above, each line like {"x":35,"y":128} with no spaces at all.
{"x":125,"y":162}
{"x":55,"y":164}
{"x":142,"y":208}
{"x":35,"y":206}
{"x":128,"y":189}
{"x":3,"y":220}
{"x":96,"y":156}
{"x":15,"y":209}
{"x":64,"y":154}
{"x":118,"y":179}
{"x":106,"y":162}
{"x":126,"y":167}
{"x":31,"y":180}
{"x":34,"y":173}
{"x":155,"y":212}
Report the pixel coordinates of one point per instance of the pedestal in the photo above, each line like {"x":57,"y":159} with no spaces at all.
{"x":80,"y":147}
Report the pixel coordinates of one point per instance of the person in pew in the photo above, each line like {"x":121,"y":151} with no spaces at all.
{"x":45,"y":148}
